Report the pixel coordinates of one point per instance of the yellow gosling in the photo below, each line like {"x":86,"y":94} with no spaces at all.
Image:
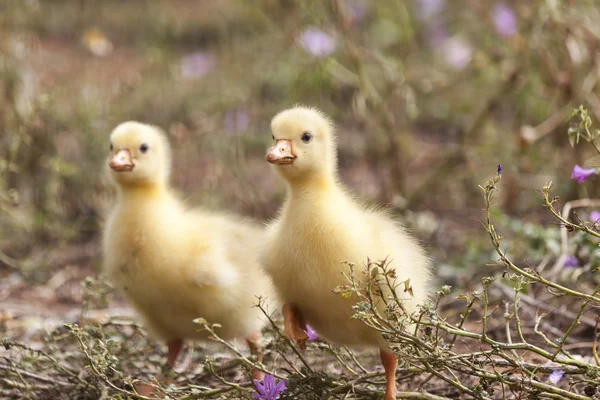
{"x":175,"y":264}
{"x":319,"y":226}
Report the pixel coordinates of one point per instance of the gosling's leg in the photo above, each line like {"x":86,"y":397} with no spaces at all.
{"x":390,"y":363}
{"x":174,"y":347}
{"x":294,"y":325}
{"x":255,"y":350}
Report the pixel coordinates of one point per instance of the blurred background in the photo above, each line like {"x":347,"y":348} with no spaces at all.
{"x":428,"y":97}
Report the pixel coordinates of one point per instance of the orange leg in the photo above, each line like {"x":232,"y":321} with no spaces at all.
{"x":174,"y":346}
{"x":390,"y":362}
{"x":294,"y":325}
{"x":255,"y":350}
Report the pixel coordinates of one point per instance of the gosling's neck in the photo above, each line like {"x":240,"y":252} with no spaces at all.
{"x":140,"y":193}
{"x":312,"y":187}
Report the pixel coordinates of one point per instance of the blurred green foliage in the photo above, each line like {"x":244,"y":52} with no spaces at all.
{"x":427,"y":100}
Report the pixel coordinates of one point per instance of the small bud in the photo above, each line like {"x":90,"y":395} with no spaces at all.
{"x":590,"y":390}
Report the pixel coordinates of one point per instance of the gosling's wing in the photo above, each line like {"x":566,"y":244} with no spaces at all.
{"x":213,"y":269}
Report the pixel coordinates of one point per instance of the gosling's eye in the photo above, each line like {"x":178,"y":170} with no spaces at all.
{"x":273,"y":136}
{"x":306,"y":137}
{"x":144,"y":148}
{"x":111,"y":147}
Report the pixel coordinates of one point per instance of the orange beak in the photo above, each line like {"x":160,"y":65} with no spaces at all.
{"x":121,"y":161}
{"x":281,"y":153}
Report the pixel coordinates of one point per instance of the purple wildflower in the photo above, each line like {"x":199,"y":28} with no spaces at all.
{"x":236,"y":120}
{"x":504,"y":19}
{"x":196,"y":65}
{"x":457,"y":52}
{"x":499,"y":169}
{"x":316,"y":42}
{"x":429,"y":8}
{"x":556,"y":376}
{"x":581,"y":174}
{"x":594,"y":216}
{"x":571,"y":261}
{"x":358,"y":10}
{"x":310,"y":332}
{"x":268,"y":390}
{"x":437,"y":33}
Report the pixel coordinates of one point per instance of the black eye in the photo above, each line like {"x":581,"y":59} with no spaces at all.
{"x":111,"y":147}
{"x":306,"y":137}
{"x":144,"y":148}
{"x":273,"y":136}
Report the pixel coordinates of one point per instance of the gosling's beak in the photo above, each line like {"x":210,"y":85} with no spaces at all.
{"x":281,"y":153}
{"x":121,"y":161}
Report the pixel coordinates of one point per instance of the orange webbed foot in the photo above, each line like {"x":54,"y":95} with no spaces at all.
{"x":147,"y":389}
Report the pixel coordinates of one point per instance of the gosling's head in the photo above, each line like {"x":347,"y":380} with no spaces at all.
{"x":139,"y":155}
{"x":303,"y":145}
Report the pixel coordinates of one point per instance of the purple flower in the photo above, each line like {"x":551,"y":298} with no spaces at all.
{"x":316,"y":42}
{"x":437,"y":32}
{"x":571,"y":261}
{"x":358,"y":10}
{"x":429,"y":8}
{"x":310,"y":332}
{"x":499,"y":169}
{"x":236,"y":120}
{"x":268,"y":390}
{"x":594,"y":216}
{"x":581,"y":174}
{"x":457,"y":52}
{"x":556,"y":376}
{"x":504,"y":19}
{"x":196,"y":65}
